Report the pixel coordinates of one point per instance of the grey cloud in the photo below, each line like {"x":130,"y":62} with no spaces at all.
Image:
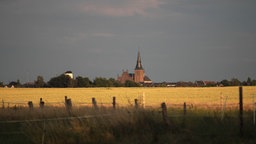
{"x":118,"y":8}
{"x":179,"y":40}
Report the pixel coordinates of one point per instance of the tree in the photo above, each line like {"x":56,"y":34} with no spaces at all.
{"x":39,"y":82}
{"x":71,"y":82}
{"x":15,"y":84}
{"x":225,"y":82}
{"x":253,"y":83}
{"x":1,"y":84}
{"x":235,"y":82}
{"x":83,"y":82}
{"x":61,"y":81}
{"x":249,"y":81}
{"x":102,"y":82}
{"x":115,"y":83}
{"x":129,"y":83}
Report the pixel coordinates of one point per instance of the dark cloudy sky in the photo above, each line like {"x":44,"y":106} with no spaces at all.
{"x":179,"y":40}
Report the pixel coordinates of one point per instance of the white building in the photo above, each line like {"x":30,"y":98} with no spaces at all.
{"x":70,"y":74}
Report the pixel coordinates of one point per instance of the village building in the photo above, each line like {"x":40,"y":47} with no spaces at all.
{"x":138,"y":76}
{"x":70,"y":74}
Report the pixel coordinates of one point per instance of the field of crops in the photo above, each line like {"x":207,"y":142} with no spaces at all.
{"x":153,"y":97}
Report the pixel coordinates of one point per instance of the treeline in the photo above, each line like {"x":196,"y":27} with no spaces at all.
{"x":236,"y":82}
{"x":223,"y":83}
{"x":64,"y":81}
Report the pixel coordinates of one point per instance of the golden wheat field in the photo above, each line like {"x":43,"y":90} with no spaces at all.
{"x":153,"y":97}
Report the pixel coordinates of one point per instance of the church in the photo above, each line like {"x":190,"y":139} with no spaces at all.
{"x":138,"y":76}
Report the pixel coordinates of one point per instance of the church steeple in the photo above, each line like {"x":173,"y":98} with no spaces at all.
{"x":138,"y":76}
{"x":138,"y":64}
{"x":139,"y":71}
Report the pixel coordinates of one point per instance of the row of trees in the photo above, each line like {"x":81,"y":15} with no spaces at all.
{"x":236,"y":82}
{"x":64,"y":81}
{"x":232,"y":82}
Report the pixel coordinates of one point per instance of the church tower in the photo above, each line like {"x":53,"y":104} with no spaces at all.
{"x":139,"y":71}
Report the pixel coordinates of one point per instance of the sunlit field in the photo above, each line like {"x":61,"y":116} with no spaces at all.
{"x":213,"y":97}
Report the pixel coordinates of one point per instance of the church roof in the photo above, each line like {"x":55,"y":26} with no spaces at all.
{"x":68,"y":72}
{"x":146,"y":78}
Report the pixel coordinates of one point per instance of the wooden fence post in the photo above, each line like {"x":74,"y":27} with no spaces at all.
{"x":253,"y":107}
{"x":41,"y":103}
{"x":30,"y":105}
{"x":114,"y":102}
{"x":68,"y":104}
{"x":66,"y":99}
{"x":185,"y":108}
{"x":3,"y":104}
{"x":143,"y":100}
{"x":94,"y":103}
{"x":164,"y":113}
{"x":136,"y":103}
{"x":241,"y":110}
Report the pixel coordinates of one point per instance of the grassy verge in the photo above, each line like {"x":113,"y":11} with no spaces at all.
{"x":123,"y":125}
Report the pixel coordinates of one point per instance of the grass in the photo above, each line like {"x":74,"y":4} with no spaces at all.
{"x":55,"y":125}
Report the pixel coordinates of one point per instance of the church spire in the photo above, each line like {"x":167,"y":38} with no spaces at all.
{"x":138,"y":64}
